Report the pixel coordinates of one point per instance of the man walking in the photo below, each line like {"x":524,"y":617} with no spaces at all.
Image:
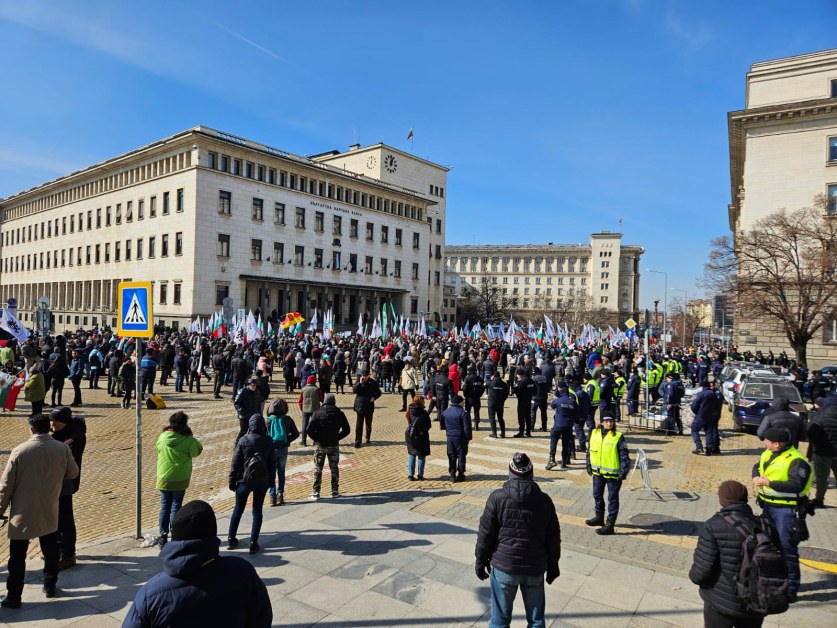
{"x":822,"y":439}
{"x":327,"y":428}
{"x":72,"y":431}
{"x":703,"y":407}
{"x":519,"y":540}
{"x":31,"y":484}
{"x":457,"y":426}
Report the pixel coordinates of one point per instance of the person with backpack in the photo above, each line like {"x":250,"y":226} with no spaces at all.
{"x":175,"y":449}
{"x":783,"y":478}
{"x":720,"y":556}
{"x":253,"y":465}
{"x":282,"y":431}
{"x":328,"y":427}
{"x":417,"y":436}
{"x":97,"y":363}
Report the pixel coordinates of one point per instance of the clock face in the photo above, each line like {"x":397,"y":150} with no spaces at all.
{"x":390,"y":164}
{"x":371,"y":162}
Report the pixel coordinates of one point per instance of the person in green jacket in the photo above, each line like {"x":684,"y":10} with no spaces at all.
{"x":35,"y":389}
{"x":175,"y":449}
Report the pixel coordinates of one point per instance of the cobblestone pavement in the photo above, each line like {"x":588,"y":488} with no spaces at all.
{"x":657,"y":532}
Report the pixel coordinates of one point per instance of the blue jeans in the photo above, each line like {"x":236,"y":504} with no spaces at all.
{"x":170,"y":503}
{"x":411,"y":465}
{"x":782,"y":517}
{"x":698,"y":424}
{"x":503,"y":591}
{"x":178,"y":381}
{"x":277,"y":484}
{"x":241,"y":495}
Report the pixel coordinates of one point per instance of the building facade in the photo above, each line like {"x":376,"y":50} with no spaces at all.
{"x":546,"y":278}
{"x":205,"y":215}
{"x":783,"y":153}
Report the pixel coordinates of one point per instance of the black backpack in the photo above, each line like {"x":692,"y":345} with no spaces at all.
{"x":255,"y":472}
{"x":762,"y":578}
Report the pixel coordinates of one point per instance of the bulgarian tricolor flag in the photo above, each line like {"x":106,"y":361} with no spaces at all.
{"x":410,"y":134}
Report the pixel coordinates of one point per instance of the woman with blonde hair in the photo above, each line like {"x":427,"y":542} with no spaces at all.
{"x":417,"y":436}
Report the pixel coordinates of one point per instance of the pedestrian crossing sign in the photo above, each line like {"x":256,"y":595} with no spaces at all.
{"x":135,"y":316}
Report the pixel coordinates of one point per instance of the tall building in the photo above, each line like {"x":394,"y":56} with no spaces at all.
{"x":205,"y":215}
{"x":783,"y":153}
{"x":538,"y":278}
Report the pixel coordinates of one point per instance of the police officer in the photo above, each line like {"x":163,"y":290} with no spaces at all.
{"x":524,"y":389}
{"x":472,"y":390}
{"x":566,"y":409}
{"x":782,"y":477}
{"x":591,"y":385}
{"x":607,"y":394}
{"x":542,"y":386}
{"x":619,"y":388}
{"x":672,"y":392}
{"x":703,"y":407}
{"x":609,"y":463}
{"x":713,"y":436}
{"x":498,"y":392}
{"x":582,"y":417}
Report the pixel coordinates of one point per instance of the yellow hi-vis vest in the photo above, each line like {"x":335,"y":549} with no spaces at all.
{"x":778,"y":470}
{"x":594,"y":398}
{"x":619,"y":389}
{"x":604,"y":456}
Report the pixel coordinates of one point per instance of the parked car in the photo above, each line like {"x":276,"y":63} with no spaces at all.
{"x":732,"y":383}
{"x":756,"y":394}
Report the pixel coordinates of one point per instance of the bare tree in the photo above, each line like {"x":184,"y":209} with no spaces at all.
{"x":679,"y":312}
{"x":781,"y":271}
{"x":484,"y":302}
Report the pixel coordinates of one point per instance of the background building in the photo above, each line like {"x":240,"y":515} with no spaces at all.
{"x":565,"y":281}
{"x":206,"y":215}
{"x":783,"y":153}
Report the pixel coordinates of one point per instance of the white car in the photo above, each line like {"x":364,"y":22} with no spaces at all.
{"x":731,"y":385}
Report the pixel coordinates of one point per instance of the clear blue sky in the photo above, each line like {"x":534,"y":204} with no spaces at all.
{"x":557,"y":117}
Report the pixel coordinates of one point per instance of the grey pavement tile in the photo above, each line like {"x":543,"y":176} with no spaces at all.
{"x":457,"y":549}
{"x":670,"y":609}
{"x":803,"y":615}
{"x":674,"y":586}
{"x":97,"y":621}
{"x":613,"y":571}
{"x":374,"y":608}
{"x":286,"y":579}
{"x":422,"y":618}
{"x":568,"y":582}
{"x":468,"y":602}
{"x":365,"y":571}
{"x":556,"y":601}
{"x":357,"y":516}
{"x":638,"y":621}
{"x":55,"y":612}
{"x":441,"y":569}
{"x":624,"y":597}
{"x":106,"y":596}
{"x":405,"y":587}
{"x":290,"y":612}
{"x":589,"y":614}
{"x":578,"y":562}
{"x":322,"y":560}
{"x":326,"y":593}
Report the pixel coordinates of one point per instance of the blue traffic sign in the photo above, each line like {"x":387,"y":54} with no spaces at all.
{"x":631,"y":333}
{"x":135,"y":310}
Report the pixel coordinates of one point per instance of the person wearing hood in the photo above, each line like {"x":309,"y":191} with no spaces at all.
{"x":198,"y":586}
{"x":519,"y":540}
{"x":718,"y":556}
{"x":72,"y":431}
{"x":283,"y":432}
{"x":779,"y":415}
{"x":253,"y":466}
{"x":247,"y":402}
{"x":310,"y":399}
{"x":417,"y":436}
{"x":327,"y":428}
{"x":822,"y":445}
{"x":175,"y":449}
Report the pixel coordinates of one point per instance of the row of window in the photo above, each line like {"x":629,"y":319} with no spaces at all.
{"x":831,"y":198}
{"x":526,"y":280}
{"x":112,"y":214}
{"x":292,"y":181}
{"x":95,"y":254}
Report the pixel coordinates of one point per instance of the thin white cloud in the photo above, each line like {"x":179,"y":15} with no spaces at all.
{"x":694,"y":34}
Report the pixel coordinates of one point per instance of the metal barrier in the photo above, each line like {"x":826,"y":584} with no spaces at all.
{"x":642,"y":464}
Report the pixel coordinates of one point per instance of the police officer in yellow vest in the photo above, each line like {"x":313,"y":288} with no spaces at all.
{"x":608,"y":462}
{"x":783,"y":479}
{"x":620,"y":385}
{"x":591,"y":385}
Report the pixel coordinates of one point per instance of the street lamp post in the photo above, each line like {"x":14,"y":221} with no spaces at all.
{"x":685,"y":309}
{"x":665,"y":304}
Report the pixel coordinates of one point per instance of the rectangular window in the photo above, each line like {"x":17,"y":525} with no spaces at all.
{"x":353,"y":226}
{"x":221,"y":293}
{"x":255,"y":250}
{"x":398,"y":237}
{"x":384,"y":234}
{"x":396,"y":270}
{"x":152,"y":207}
{"x":152,"y":246}
{"x":831,"y":199}
{"x":248,"y":170}
{"x":300,"y":218}
{"x":299,"y":255}
{"x":140,"y":209}
{"x":139,"y":248}
{"x":438,"y":251}
{"x":416,"y":240}
{"x":834,"y":88}
{"x":318,"y":258}
{"x":213,"y":160}
{"x":127,"y":251}
{"x":223,"y":249}
{"x":177,"y":288}
{"x":832,"y":149}
{"x":98,"y":222}
{"x":164,"y":290}
{"x":337,"y":226}
{"x":225,"y":163}
{"x":370,"y":231}
{"x":271,"y":176}
{"x":335,"y":260}
{"x":414,"y":306}
{"x":237,"y":167}
{"x":117,"y":253}
{"x":353,"y":262}
{"x":384,"y":270}
{"x":224,"y":202}
{"x":367,"y":267}
{"x":438,"y":226}
{"x":129,"y":211}
{"x":107,"y":219}
{"x":180,"y":200}
{"x":258,"y":209}
{"x":438,"y":278}
{"x":178,"y":243}
{"x":164,"y":245}
{"x":98,"y":254}
{"x":118,"y":219}
{"x":278,"y":253}
{"x":165,"y":203}
{"x":415,"y":274}
{"x":89,"y":223}
{"x":319,"y":222}
{"x":86,"y":257}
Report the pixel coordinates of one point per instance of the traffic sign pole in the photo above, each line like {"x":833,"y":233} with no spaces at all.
{"x":138,"y":353}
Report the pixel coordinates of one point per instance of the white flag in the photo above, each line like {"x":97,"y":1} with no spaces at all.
{"x":9,"y":323}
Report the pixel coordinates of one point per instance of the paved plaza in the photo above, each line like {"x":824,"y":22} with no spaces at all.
{"x":395,"y":552}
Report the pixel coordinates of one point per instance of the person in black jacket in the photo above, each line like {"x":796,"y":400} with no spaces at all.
{"x":72,"y":431}
{"x":219,"y":370}
{"x":778,"y":415}
{"x":539,"y":398}
{"x":256,"y":442}
{"x":498,"y":392}
{"x":519,"y":540}
{"x":367,"y":392}
{"x":442,"y":391}
{"x":822,"y":445}
{"x":327,"y":428}
{"x":417,"y":436}
{"x":718,"y":557}
{"x":197,"y":586}
{"x":166,"y":361}
{"x":524,"y":389}
{"x":247,"y":402}
{"x":472,"y":390}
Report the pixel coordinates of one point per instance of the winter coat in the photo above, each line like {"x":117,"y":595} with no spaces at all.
{"x":703,"y":405}
{"x":455,"y":378}
{"x":822,"y":431}
{"x":442,"y":387}
{"x":328,"y":426}
{"x":76,"y":371}
{"x":256,"y":441}
{"x":74,"y":435}
{"x":717,"y":558}
{"x":498,"y":391}
{"x":310,"y":398}
{"x":35,"y":388}
{"x":197,"y":587}
{"x":31,"y":484}
{"x":778,"y":415}
{"x":340,"y":372}
{"x":247,"y":403}
{"x":566,"y":410}
{"x":367,"y":392}
{"x":409,"y":378}
{"x":174,"y":460}
{"x":128,"y":375}
{"x":455,"y":422}
{"x":519,"y":532}
{"x":421,"y":423}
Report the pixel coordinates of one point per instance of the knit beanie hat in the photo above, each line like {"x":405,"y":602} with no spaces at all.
{"x":330,"y":400}
{"x":777,"y":435}
{"x":311,"y":379}
{"x":195,"y":520}
{"x":62,"y":415}
{"x":520,"y":465}
{"x":732,"y":492}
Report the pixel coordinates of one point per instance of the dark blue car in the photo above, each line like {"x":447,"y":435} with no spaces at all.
{"x":756,"y":395}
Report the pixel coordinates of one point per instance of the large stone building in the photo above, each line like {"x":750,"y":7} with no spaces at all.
{"x":547,"y":278}
{"x":207,"y":215}
{"x":783,"y":153}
